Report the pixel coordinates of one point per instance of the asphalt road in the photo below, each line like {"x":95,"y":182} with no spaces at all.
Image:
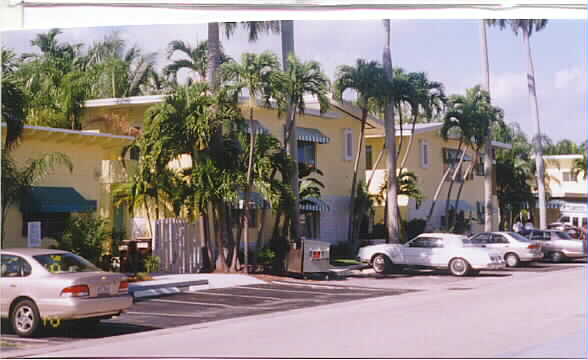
{"x":419,"y":294}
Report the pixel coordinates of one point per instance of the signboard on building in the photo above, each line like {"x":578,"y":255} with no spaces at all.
{"x":34,"y":234}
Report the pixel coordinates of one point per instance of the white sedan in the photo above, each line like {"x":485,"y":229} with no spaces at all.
{"x":433,"y":250}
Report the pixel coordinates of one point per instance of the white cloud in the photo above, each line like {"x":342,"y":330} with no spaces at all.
{"x":573,"y":78}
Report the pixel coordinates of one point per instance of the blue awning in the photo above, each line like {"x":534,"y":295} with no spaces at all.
{"x":311,"y":135}
{"x":313,"y":204}
{"x":47,"y":199}
{"x":257,"y":127}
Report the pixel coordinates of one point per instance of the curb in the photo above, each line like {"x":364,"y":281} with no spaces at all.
{"x":139,"y":291}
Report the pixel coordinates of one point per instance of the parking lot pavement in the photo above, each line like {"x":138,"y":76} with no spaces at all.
{"x":200,"y":307}
{"x":275,"y":296}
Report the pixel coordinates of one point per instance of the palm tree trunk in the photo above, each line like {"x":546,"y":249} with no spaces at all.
{"x":375,"y":167}
{"x":488,"y":177}
{"x":213,"y":55}
{"x":393,"y":225}
{"x":465,"y":176}
{"x":452,"y":182}
{"x":538,"y":143}
{"x":352,"y":225}
{"x":249,"y":184}
{"x":436,"y":195}
{"x":401,"y":125}
{"x":291,"y":140}
{"x":410,"y":142}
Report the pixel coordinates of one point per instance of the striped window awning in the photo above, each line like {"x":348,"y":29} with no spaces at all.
{"x":311,"y":135}
{"x":257,"y":127}
{"x":313,"y":204}
{"x":49,"y":199}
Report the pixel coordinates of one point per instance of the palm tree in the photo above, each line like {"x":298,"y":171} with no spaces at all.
{"x":368,"y":81}
{"x":13,"y":100}
{"x":393,"y":219}
{"x":488,"y":168}
{"x":254,"y":73}
{"x":194,"y":59}
{"x":289,"y":89}
{"x":580,"y":166}
{"x":527,"y":27}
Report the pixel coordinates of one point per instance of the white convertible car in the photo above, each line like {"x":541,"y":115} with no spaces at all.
{"x":443,"y":251}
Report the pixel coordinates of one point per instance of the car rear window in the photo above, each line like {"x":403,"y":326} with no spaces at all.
{"x":518,"y":237}
{"x":563,"y":235}
{"x":65,"y":263}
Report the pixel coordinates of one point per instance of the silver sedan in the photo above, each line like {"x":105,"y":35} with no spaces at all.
{"x":42,"y":287}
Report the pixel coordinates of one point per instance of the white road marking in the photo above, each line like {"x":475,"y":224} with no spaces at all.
{"x":325,"y":286}
{"x":292,"y":291}
{"x":245,"y":296}
{"x":161,"y":314}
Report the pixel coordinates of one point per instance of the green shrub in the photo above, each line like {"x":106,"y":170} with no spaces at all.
{"x":86,"y":235}
{"x":266,"y":256}
{"x":152,"y":264}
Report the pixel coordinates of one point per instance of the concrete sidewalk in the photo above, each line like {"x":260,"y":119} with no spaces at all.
{"x":172,"y":284}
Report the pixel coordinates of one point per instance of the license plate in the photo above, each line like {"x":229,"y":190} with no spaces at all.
{"x":104,"y":290}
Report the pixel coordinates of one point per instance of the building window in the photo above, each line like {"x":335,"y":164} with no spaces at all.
{"x":307,"y":152}
{"x":570,"y":177}
{"x":424,"y":150}
{"x":52,"y":224}
{"x":311,"y":229}
{"x":134,"y":153}
{"x":348,"y":151}
{"x":368,"y":157}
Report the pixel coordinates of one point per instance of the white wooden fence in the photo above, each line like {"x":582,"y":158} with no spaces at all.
{"x":178,"y":245}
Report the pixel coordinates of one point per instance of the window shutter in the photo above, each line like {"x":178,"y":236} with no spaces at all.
{"x":348,"y":142}
{"x":424,"y":147}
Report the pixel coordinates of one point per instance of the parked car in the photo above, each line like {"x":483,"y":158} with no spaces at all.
{"x":42,"y":285}
{"x":432,"y":250}
{"x":513,"y":247}
{"x":573,"y":231}
{"x":559,"y":245}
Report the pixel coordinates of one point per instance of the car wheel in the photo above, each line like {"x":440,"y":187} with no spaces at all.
{"x":459,"y":267}
{"x":25,"y":318}
{"x":558,"y":256}
{"x":381,"y":264}
{"x":511,"y":260}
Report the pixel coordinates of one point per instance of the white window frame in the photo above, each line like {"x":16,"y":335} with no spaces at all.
{"x":424,"y":154}
{"x":348,"y":144}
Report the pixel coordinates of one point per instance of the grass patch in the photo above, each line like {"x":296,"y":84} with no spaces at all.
{"x":344,"y":262}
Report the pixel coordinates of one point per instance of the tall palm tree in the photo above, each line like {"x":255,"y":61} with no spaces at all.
{"x":194,"y":59}
{"x":488,"y":168}
{"x":289,"y":89}
{"x":367,"y":80}
{"x":527,"y":27}
{"x":254,"y":73}
{"x":393,"y":219}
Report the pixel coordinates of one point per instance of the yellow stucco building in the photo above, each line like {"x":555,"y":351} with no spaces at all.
{"x":328,"y":140}
{"x":428,"y":158}
{"x":61,"y":193}
{"x":568,"y":190}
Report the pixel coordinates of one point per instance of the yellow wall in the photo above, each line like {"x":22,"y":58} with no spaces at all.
{"x":86,"y":155}
{"x":428,"y":178}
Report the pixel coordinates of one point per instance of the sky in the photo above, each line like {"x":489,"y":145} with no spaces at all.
{"x":447,"y":50}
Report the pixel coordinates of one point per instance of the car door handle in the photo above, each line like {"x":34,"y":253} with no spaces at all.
{"x":12,"y":285}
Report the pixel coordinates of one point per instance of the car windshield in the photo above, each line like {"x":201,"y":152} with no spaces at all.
{"x":518,"y":237}
{"x":65,"y":263}
{"x":563,"y":235}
